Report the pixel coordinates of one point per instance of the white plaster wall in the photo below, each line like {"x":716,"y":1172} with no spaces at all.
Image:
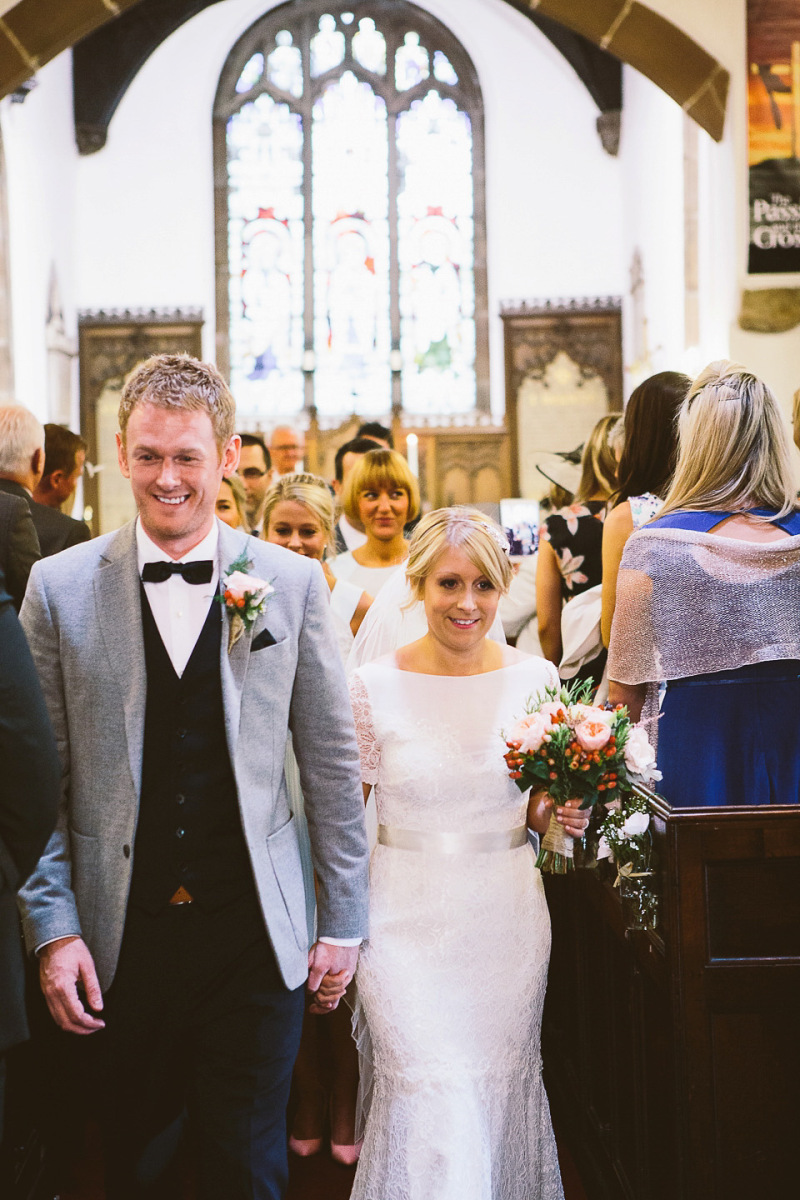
{"x":145,"y":211}
{"x":651,"y":165}
{"x":41,"y":165}
{"x":133,"y":225}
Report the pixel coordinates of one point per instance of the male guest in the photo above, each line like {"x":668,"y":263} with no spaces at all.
{"x":287,"y":447}
{"x":348,"y":536}
{"x":255,"y":471}
{"x":19,"y":545}
{"x":377,"y":433}
{"x":168,"y":910}
{"x":22,"y":458}
{"x":64,"y":460}
{"x":30,"y":781}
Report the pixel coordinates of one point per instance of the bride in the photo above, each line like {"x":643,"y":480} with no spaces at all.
{"x":452,"y":980}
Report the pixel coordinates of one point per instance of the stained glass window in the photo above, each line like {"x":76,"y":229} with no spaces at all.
{"x":353,"y":266}
{"x":435,"y":234}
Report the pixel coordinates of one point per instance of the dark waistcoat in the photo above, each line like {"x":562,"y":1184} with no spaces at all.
{"x":189,"y":831}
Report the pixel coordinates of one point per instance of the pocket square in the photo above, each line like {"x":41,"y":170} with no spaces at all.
{"x":264,"y":639}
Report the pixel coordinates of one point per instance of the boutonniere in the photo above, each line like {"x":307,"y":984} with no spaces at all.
{"x":244,"y":597}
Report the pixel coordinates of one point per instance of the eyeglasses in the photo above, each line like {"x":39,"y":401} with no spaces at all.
{"x":252,"y":473}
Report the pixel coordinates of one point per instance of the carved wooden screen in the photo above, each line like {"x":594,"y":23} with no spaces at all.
{"x":110,"y":345}
{"x":563,"y":372}
{"x":350,"y":244}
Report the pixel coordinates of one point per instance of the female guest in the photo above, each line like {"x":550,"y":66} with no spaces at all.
{"x":231,"y":502}
{"x":708,"y":598}
{"x":644,"y":472}
{"x":570,"y":544}
{"x":382,"y":495}
{"x":299,"y":514}
{"x":452,"y":980}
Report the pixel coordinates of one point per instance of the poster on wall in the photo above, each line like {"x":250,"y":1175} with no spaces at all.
{"x":773,"y":100}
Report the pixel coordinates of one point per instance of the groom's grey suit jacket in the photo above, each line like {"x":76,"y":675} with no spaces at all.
{"x":82,"y":615}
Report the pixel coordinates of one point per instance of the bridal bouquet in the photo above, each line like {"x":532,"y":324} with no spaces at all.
{"x":573,"y":749}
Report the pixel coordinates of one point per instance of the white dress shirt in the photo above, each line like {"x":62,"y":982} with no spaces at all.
{"x":353,"y":538}
{"x":179,"y":608}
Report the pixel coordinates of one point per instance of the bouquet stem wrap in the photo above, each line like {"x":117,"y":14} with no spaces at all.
{"x":556,"y":855}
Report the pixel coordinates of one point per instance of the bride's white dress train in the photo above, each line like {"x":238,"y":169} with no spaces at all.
{"x":451,"y":983}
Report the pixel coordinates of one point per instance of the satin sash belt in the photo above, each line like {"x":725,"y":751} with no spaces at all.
{"x":452,"y":843}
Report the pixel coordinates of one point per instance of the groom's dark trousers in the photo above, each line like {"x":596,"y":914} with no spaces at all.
{"x":197,"y":1012}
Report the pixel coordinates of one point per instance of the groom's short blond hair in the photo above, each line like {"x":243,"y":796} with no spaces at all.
{"x":178,"y":381}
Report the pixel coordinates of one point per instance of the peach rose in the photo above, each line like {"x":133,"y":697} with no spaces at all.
{"x":241,"y":586}
{"x":592,"y":735}
{"x":553,"y":708}
{"x":590,"y":712}
{"x":530,"y":732}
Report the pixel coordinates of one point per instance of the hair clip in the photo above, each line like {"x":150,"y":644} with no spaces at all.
{"x":499,"y":537}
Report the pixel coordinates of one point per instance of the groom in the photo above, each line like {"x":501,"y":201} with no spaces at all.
{"x":168,"y":910}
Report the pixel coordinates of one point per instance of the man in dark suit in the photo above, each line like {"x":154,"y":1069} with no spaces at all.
{"x":30,"y":783}
{"x":64,"y":460}
{"x":22,"y":460}
{"x":19,"y":545}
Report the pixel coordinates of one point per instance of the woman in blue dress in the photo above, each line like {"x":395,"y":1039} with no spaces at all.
{"x":708,"y":602}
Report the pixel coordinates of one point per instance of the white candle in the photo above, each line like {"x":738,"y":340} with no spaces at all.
{"x":412,"y":453}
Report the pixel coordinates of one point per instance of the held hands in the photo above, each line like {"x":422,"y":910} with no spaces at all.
{"x":63,"y":967}
{"x":330,"y":969}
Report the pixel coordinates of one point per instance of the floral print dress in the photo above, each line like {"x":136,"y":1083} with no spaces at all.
{"x":576,"y":535}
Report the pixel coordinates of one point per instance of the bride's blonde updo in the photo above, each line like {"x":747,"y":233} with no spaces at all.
{"x":483,"y":542}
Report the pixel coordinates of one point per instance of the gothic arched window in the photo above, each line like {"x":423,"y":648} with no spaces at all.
{"x":351,"y":266}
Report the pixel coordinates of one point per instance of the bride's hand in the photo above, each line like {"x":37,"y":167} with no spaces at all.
{"x":574,"y":818}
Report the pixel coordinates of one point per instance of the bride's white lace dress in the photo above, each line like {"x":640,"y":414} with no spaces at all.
{"x":451,"y":983}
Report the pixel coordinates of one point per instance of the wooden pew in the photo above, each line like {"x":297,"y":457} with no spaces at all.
{"x":672,"y":1057}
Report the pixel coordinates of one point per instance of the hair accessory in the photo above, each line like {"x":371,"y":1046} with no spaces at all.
{"x":724,"y":391}
{"x":498,"y":536}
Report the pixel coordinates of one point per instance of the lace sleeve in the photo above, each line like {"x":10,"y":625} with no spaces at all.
{"x":368,"y":746}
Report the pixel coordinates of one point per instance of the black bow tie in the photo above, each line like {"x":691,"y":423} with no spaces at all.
{"x":201,"y":571}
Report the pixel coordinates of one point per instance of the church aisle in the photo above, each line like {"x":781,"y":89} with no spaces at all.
{"x":318,"y":1178}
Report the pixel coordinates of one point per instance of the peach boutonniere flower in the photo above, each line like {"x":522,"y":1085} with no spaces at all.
{"x":244,"y":597}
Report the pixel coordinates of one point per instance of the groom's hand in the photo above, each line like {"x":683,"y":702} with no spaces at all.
{"x":330,"y":969}
{"x":63,"y":967}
